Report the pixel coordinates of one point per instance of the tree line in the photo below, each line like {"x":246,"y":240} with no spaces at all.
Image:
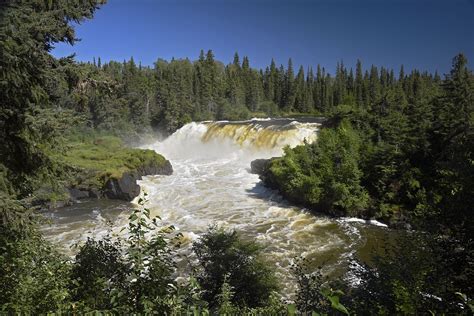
{"x":395,"y":146}
{"x":406,"y":159}
{"x":172,"y":93}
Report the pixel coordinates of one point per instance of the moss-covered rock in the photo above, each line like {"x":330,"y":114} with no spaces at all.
{"x":105,"y":168}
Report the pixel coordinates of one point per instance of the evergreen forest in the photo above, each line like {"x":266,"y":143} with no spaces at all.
{"x":396,"y":146}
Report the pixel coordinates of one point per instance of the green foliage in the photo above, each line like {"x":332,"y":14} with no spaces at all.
{"x":324,"y":175}
{"x":395,"y":282}
{"x":33,"y":274}
{"x":309,"y":296}
{"x":108,"y":156}
{"x":398,"y":149}
{"x":28,"y":32}
{"x":411,"y":277}
{"x":151,"y":262}
{"x":226,"y":111}
{"x":223,"y":256}
{"x":269,"y":108}
{"x":315,"y":295}
{"x":224,"y":299}
{"x":408,"y":147}
{"x":99,"y":268}
{"x":127,"y":276}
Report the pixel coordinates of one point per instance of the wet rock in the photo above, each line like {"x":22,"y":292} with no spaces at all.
{"x":78,"y":194}
{"x":90,"y":184}
{"x":94,"y":193}
{"x":259,"y":166}
{"x":48,"y":197}
{"x":124,"y":188}
{"x":154,"y":169}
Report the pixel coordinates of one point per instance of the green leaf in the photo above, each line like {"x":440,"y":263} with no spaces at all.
{"x":335,"y":304}
{"x":291,"y":309}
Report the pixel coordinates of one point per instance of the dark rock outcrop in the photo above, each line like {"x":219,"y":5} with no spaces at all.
{"x":259,"y":166}
{"x":124,"y":187}
{"x":152,"y":168}
{"x":78,"y":194}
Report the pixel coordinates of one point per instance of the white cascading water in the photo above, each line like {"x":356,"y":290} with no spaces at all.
{"x":212,"y":185}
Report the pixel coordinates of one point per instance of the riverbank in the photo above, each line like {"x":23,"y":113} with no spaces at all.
{"x":269,"y":177}
{"x":211,"y":184}
{"x":96,"y":167}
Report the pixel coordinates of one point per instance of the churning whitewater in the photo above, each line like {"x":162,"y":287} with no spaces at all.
{"x":212,"y":185}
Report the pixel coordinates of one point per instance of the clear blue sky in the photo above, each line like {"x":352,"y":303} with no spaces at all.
{"x":421,"y":34}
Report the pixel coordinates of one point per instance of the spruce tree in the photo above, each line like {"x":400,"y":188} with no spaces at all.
{"x":288,"y":94}
{"x":275,"y":81}
{"x":236,"y":61}
{"x":359,"y":84}
{"x":300,"y":91}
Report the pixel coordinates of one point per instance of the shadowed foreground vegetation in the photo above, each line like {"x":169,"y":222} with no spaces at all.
{"x":399,"y":148}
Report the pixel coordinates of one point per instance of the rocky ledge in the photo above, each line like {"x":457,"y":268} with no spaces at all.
{"x":259,"y":166}
{"x":123,"y":187}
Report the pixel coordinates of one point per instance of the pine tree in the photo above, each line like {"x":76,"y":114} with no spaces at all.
{"x":359,"y":85}
{"x":350,"y":83}
{"x":235,"y":89}
{"x":288,"y":94}
{"x":300,"y":91}
{"x":309,"y":87}
{"x":275,"y":96}
{"x":454,"y":145}
{"x":31,"y":29}
{"x":236,"y":61}
{"x":401,"y":76}
{"x":374,"y":85}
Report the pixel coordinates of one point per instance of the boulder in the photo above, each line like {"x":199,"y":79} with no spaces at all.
{"x":124,"y":188}
{"x":259,"y":166}
{"x":94,"y":185}
{"x":78,"y":194}
{"x":152,"y":169}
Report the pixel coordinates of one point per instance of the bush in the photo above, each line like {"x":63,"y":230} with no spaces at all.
{"x":315,"y":294}
{"x":224,"y":256}
{"x":33,"y":275}
{"x":226,"y":111}
{"x":131,"y":276}
{"x":99,"y":266}
{"x":325,"y":175}
{"x":270,"y":108}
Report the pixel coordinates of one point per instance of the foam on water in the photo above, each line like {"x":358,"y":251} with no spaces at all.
{"x":211,"y":185}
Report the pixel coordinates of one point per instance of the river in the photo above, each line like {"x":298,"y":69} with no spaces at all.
{"x":212,"y":185}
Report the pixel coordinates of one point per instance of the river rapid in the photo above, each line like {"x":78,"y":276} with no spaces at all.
{"x":212,"y":185}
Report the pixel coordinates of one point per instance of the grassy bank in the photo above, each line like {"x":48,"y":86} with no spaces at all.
{"x":88,"y":162}
{"x":108,"y":156}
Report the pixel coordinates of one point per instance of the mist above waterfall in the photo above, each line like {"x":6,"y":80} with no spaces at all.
{"x":254,"y":138}
{"x":212,"y":185}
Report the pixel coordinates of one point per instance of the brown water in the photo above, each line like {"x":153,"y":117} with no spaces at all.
{"x":212,"y":184}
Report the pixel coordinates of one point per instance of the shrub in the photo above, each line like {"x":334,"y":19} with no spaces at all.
{"x":33,"y":275}
{"x":324,"y":176}
{"x":99,"y":266}
{"x":269,"y":108}
{"x":127,"y":276}
{"x":222,"y":253}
